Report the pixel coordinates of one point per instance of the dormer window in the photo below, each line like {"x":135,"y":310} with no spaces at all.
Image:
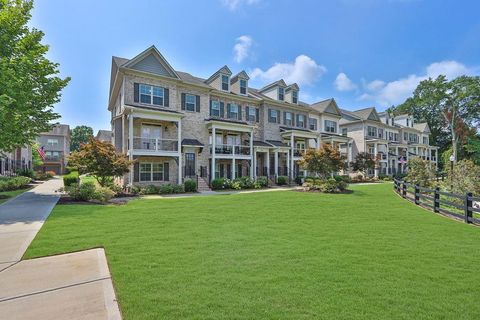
{"x":294,"y":96}
{"x":225,"y":82}
{"x":243,"y":86}
{"x":408,"y":122}
{"x":281,"y":93}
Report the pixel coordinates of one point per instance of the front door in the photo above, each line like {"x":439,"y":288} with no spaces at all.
{"x":189,"y":164}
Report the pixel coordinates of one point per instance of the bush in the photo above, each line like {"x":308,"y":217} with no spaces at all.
{"x":50,"y":174}
{"x":244,"y":182}
{"x":14,"y":183}
{"x":466,"y":178}
{"x":166,"y":189}
{"x":220,"y":184}
{"x":262,"y":182}
{"x":190,"y":186}
{"x":82,"y":192}
{"x":298,"y":180}
{"x":420,"y":172}
{"x":344,"y":178}
{"x":44,"y":175}
{"x":235,"y":185}
{"x":150,"y":189}
{"x":71,"y":178}
{"x":330,"y":185}
{"x":178,"y":188}
{"x":135,"y":190}
{"x":27,"y":173}
{"x":282,"y":180}
{"x":103,"y":194}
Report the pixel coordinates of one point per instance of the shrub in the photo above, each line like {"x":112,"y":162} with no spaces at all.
{"x":262,"y":182}
{"x":298,"y":180}
{"x":419,"y":172}
{"x":465,"y":178}
{"x":166,"y":189}
{"x":71,"y":178}
{"x":190,"y":186}
{"x":50,"y":174}
{"x":135,"y":189}
{"x":236,"y":185}
{"x":14,"y":183}
{"x":177,"y":188}
{"x":219,"y":184}
{"x":282,"y":180}
{"x":329,"y":186}
{"x":44,"y":175}
{"x":150,"y":189}
{"x":309,"y":180}
{"x":27,"y":173}
{"x":82,"y":192}
{"x":344,"y":178}
{"x":103,"y":194}
{"x":244,"y":182}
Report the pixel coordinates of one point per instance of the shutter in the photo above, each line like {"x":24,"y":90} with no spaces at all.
{"x":284,"y":117}
{"x":197,"y":103}
{"x":210,"y":108}
{"x":229,"y":171}
{"x":183,"y":101}
{"x":239,"y":112}
{"x":294,"y":119}
{"x":166,"y":97}
{"x":221,"y":170}
{"x":222,"y":107}
{"x":257,"y":115}
{"x":228,"y":110}
{"x":278,"y":116}
{"x":135,"y":92}
{"x":166,"y":171}
{"x":305,"y":121}
{"x":246,"y":113}
{"x":269,"y":117}
{"x":136,"y":172}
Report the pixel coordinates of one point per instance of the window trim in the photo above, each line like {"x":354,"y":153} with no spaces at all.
{"x":152,"y":95}
{"x":194,"y":102}
{"x":335,"y":125}
{"x":303,"y":117}
{"x":227,"y":82}
{"x":374,"y":130}
{"x":294,"y":96}
{"x":162,"y":164}
{"x":282,"y":94}
{"x":288,"y":113}
{"x":272,"y":119}
{"x":229,"y":112}
{"x":249,"y":116}
{"x":217,"y":102}
{"x":315,"y":123}
{"x":240,"y":85}
{"x":52,"y":144}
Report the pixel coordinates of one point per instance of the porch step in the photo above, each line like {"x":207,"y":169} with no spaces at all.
{"x":203,"y":185}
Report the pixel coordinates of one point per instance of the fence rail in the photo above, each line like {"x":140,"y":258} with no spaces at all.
{"x":457,"y":206}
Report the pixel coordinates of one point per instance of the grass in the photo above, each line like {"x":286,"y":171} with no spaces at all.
{"x":278,"y":255}
{"x":7,"y":195}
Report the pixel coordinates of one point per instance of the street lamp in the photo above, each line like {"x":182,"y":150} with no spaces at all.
{"x":452,"y":159}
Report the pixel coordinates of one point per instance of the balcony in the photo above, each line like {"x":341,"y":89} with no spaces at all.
{"x":298,"y":152}
{"x":53,"y":158}
{"x":154,"y":145}
{"x":231,"y":150}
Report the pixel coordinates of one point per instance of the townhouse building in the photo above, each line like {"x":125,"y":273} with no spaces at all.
{"x":56,"y":144}
{"x":104,"y":135}
{"x":179,"y":126}
{"x":391,"y":140}
{"x":13,"y":162}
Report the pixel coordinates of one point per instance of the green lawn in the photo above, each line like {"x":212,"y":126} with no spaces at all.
{"x":7,"y":195}
{"x":278,"y":255}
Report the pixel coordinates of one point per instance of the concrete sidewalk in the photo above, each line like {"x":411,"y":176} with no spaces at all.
{"x":22,"y":217}
{"x":68,"y":286}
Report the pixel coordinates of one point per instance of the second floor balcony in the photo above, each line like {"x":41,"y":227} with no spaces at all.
{"x":231,"y":150}
{"x":155,"y":145}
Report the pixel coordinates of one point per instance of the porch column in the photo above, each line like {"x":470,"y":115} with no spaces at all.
{"x":375,"y":151}
{"x":124,"y":147}
{"x":268,"y":163}
{"x":180,"y":168}
{"x":396,"y":160}
{"x":276,"y":163}
{"x":388,"y":158}
{"x":130,"y":146}
{"x":212,"y":170}
{"x":292,"y":147}
{"x":253,"y":170}
{"x":233,"y":169}
{"x":253,"y":158}
{"x":288,"y":164}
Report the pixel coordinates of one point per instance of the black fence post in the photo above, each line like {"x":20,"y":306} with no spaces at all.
{"x":395,"y":184}
{"x":404,"y":187}
{"x":436,"y":200}
{"x":468,"y":207}
{"x":417,"y":194}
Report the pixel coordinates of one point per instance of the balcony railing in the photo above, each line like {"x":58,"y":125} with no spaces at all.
{"x":53,"y":158}
{"x":154,"y":144}
{"x":298,"y":152}
{"x":228,"y":149}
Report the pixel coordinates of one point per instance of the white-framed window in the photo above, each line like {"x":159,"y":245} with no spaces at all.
{"x":233,"y":112}
{"x":233,"y":140}
{"x":215,"y":110}
{"x":330,"y":126}
{"x":405,"y":136}
{"x":252,"y":114}
{"x":150,"y":171}
{"x":281,"y":93}
{"x":272,"y":116}
{"x":295,"y":96}
{"x":190,"y":102}
{"x":288,"y":118}
{"x":225,"y":82}
{"x":425,"y":140}
{"x":344,"y":132}
{"x":243,"y":86}
{"x":301,"y":121}
{"x":312,"y":123}
{"x":151,"y":94}
{"x":395,"y":137}
{"x":380,"y":133}
{"x":371,"y":131}
{"x":52,"y":142}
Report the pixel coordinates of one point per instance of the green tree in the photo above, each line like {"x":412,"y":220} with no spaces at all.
{"x":420,"y":172}
{"x":79,"y":136}
{"x":323,"y":161}
{"x":363,"y":161}
{"x":473,"y":148}
{"x":29,"y":82}
{"x":36,"y":159}
{"x":101,"y":160}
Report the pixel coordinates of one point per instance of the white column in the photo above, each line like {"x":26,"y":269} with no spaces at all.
{"x":212,"y":170}
{"x":253,"y":169}
{"x":130,"y":145}
{"x":253,"y":158}
{"x":288,"y":165}
{"x":375,"y":151}
{"x":396,"y":160}
{"x":268,"y":163}
{"x":180,"y":169}
{"x":233,"y":169}
{"x":292,"y":147}
{"x":124,"y":147}
{"x":388,"y":158}
{"x":276,"y":164}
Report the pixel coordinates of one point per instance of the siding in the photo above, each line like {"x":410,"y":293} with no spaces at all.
{"x":152,"y":65}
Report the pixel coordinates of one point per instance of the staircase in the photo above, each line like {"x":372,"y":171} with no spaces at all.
{"x":202,"y":185}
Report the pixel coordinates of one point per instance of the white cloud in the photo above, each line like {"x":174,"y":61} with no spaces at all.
{"x":233,"y":5}
{"x":395,"y":92}
{"x":241,"y":49}
{"x":343,"y":83}
{"x":304,"y":70}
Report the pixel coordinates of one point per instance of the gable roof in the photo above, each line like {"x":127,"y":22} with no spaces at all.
{"x":280,"y":83}
{"x":104,"y":135}
{"x":423,"y":127}
{"x":367,"y":114}
{"x":293,"y":86}
{"x":224,"y":70}
{"x":150,"y":53}
{"x":327,"y":106}
{"x":242,"y":74}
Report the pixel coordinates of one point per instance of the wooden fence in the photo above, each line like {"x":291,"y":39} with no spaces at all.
{"x":449,"y":204}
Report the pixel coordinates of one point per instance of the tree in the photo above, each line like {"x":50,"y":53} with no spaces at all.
{"x":473,"y":148}
{"x":419,"y":172}
{"x":363,"y":161}
{"x":101,"y":160}
{"x":323,"y":161}
{"x":29,"y":82}
{"x":79,"y":136}
{"x":464,"y":178}
{"x":36,"y":159}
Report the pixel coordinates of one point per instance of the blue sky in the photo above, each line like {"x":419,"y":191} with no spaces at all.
{"x":361,"y":52}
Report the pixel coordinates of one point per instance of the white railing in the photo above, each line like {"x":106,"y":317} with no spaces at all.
{"x":231,"y":149}
{"x":155,"y":144}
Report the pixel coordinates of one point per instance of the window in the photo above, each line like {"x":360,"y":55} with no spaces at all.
{"x":301,"y":121}
{"x":288,"y":118}
{"x":312,"y":123}
{"x":52,"y":155}
{"x":215,"y":109}
{"x":251,"y":114}
{"x":233,"y":112}
{"x":371,"y":131}
{"x":425,"y":140}
{"x":380,"y":133}
{"x":243,"y":86}
{"x":344,"y":132}
{"x":225,"y":82}
{"x":151,"y":94}
{"x":295,"y":96}
{"x":281,"y":93}
{"x":272,"y":116}
{"x":190,"y":102}
{"x":330,"y":126}
{"x":390,"y":136}
{"x":52,"y":142}
{"x":408,"y":124}
{"x":395,"y":137}
{"x":151,"y":171}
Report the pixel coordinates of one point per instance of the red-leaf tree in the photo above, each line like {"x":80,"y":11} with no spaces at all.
{"x":323,"y":161}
